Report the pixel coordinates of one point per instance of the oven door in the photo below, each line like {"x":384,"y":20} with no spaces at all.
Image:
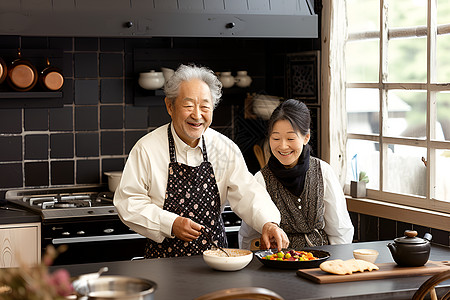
{"x":90,"y":241}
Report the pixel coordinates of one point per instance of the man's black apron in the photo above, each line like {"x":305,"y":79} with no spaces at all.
{"x":191,"y":193}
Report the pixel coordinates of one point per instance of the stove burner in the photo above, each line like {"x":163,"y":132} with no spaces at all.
{"x":61,"y":201}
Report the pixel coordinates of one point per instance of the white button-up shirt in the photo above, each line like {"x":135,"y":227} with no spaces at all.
{"x":139,"y":198}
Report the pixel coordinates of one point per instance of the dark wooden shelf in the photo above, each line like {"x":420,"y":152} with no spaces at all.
{"x":28,"y":95}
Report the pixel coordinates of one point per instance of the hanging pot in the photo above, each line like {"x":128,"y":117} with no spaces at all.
{"x":51,"y":78}
{"x":3,"y":70}
{"x":22,"y":75}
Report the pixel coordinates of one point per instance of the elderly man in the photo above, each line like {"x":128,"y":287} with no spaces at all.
{"x":178,"y":177}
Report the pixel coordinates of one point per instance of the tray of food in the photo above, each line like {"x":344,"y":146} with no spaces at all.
{"x":291,"y":258}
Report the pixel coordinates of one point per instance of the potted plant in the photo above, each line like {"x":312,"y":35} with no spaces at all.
{"x":358,"y":188}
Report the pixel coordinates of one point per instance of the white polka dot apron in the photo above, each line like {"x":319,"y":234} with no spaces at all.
{"x":191,"y":193}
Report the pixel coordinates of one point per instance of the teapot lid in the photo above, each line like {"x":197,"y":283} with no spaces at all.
{"x":410,"y":238}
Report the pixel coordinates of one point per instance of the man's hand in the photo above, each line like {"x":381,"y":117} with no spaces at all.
{"x":273,"y":237}
{"x":185,"y":229}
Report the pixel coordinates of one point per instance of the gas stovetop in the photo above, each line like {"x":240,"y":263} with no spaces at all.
{"x":65,"y":202}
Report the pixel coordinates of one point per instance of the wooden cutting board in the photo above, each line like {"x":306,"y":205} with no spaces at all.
{"x":387,"y":270}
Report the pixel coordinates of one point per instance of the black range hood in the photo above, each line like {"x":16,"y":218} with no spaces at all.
{"x":159,"y":18}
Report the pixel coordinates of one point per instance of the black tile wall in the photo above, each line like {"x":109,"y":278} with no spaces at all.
{"x":86,"y":118}
{"x":111,"y":90}
{"x":86,"y":91}
{"x":36,"y":146}
{"x":61,"y":145}
{"x":61,"y":119}
{"x":112,"y":143}
{"x":11,"y":121}
{"x":36,"y":174}
{"x":11,"y":148}
{"x":111,"y":117}
{"x":62,"y":172}
{"x":14,"y":178}
{"x":136,"y":117}
{"x":88,"y":171}
{"x":85,"y":65}
{"x":111,"y":65}
{"x":86,"y":44}
{"x":36,"y":119}
{"x":87,"y":144}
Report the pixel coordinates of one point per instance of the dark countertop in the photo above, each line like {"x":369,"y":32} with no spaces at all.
{"x":190,"y":277}
{"x":12,"y":215}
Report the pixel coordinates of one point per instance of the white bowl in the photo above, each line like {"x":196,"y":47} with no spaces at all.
{"x":113,"y":179}
{"x":151,"y":80}
{"x":369,"y":255}
{"x":238,"y":259}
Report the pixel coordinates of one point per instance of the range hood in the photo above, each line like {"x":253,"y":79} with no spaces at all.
{"x":159,"y":18}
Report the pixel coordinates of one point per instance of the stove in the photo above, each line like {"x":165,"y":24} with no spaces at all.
{"x":69,"y":202}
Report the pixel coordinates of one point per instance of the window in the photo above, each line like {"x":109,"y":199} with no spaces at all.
{"x":398,"y":100}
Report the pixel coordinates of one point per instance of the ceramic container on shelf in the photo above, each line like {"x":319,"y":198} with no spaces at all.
{"x":151,"y":80}
{"x":167,"y":73}
{"x":242,"y":79}
{"x":227,"y":79}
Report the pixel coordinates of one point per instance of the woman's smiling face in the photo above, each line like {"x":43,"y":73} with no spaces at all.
{"x":287,"y":144}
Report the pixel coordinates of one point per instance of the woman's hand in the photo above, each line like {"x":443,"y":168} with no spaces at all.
{"x":185,"y":229}
{"x":273,"y":237}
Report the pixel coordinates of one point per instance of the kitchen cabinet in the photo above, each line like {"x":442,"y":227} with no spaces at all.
{"x":20,"y":242}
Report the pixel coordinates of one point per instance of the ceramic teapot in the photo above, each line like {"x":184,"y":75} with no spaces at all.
{"x":410,"y":250}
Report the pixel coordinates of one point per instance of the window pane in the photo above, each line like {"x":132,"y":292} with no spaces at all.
{"x":406,"y":172}
{"x":367,"y":159}
{"x":362,"y":67}
{"x":363,"y":15}
{"x":407,"y":13}
{"x":443,"y":12}
{"x":407,"y":113}
{"x":442,"y":181}
{"x":443,"y":116}
{"x":407,"y":60}
{"x":443,"y":58}
{"x":362,"y":111}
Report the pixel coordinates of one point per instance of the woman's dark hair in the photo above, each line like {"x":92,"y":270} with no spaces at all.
{"x":294,"y":111}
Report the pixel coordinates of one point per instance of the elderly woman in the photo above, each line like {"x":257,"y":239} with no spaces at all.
{"x":304,"y":188}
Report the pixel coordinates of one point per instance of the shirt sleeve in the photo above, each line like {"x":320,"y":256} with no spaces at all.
{"x":246,"y":233}
{"x":248,"y":198}
{"x":338,"y":224}
{"x":136,"y":208}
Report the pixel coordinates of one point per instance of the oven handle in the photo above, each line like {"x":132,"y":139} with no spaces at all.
{"x":97,"y":238}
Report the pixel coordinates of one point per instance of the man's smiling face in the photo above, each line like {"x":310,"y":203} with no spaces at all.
{"x":191,"y":111}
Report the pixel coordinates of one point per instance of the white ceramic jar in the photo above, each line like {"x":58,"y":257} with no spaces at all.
{"x":151,"y":80}
{"x":242,"y":79}
{"x":227,"y":79}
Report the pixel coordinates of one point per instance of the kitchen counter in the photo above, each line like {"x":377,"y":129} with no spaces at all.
{"x":190,"y":277}
{"x":12,"y":215}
